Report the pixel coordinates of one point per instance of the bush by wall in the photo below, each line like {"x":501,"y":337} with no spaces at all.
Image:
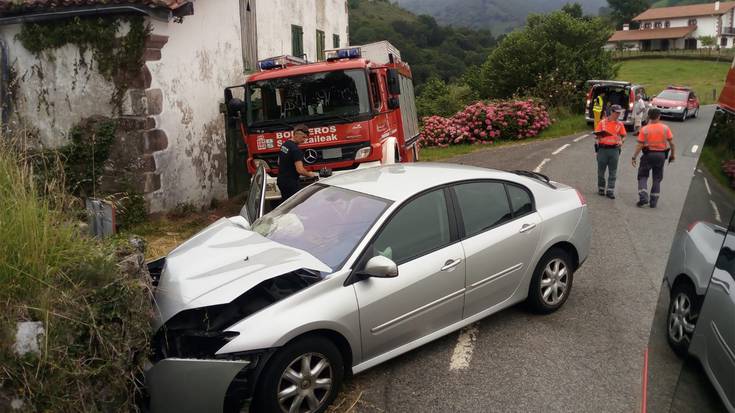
{"x":484,"y":123}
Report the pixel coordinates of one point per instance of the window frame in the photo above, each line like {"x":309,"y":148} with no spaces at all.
{"x":296,"y":29}
{"x":454,"y":236}
{"x":458,"y":211}
{"x":336,"y":42}
{"x":321,"y":45}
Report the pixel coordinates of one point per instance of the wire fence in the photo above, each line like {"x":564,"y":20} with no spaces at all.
{"x":718,"y":55}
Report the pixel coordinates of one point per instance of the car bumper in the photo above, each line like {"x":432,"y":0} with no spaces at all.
{"x":671,"y":112}
{"x":191,"y":385}
{"x":272,"y":192}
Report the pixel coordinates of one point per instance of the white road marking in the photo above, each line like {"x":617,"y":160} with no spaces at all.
{"x":463,"y":350}
{"x":694,"y":148}
{"x":541,"y":165}
{"x":581,"y":137}
{"x":717,"y":211}
{"x":706,"y":184}
{"x":556,"y":152}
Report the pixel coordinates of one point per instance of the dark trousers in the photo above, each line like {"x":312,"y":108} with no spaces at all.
{"x":288,"y":187}
{"x":607,"y":160}
{"x":651,"y":162}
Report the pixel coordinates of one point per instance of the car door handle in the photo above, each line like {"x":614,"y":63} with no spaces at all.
{"x":527,"y":227}
{"x":451,"y":264}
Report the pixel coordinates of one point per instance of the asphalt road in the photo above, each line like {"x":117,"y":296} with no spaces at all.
{"x":585,"y":357}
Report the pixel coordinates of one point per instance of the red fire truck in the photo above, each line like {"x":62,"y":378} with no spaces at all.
{"x":358,"y":104}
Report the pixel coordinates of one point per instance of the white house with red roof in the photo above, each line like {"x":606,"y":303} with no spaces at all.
{"x":170,"y":142}
{"x":679,"y":27}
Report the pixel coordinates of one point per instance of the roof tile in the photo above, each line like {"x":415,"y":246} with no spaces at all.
{"x":693,"y":10}
{"x":651,"y":34}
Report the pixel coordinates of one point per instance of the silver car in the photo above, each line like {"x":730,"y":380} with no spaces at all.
{"x":350,"y":272}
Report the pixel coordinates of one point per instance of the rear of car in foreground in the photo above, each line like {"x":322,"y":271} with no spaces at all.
{"x":351,"y":272}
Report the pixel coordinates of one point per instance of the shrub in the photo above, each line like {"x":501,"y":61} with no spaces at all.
{"x":437,"y":97}
{"x":95,"y":314}
{"x":484,"y":123}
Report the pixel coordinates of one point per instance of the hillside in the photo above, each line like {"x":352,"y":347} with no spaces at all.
{"x":667,"y":3}
{"x":430,"y":49}
{"x":499,"y":16}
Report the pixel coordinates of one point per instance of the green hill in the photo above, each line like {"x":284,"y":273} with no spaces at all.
{"x":431,"y":49}
{"x":668,"y":3}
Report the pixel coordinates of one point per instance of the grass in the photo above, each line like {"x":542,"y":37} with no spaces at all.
{"x":566,"y":124}
{"x":656,"y":74}
{"x":712,"y":159}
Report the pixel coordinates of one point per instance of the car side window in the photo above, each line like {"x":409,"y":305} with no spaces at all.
{"x":419,"y":227}
{"x":483,"y":205}
{"x":520,"y":200}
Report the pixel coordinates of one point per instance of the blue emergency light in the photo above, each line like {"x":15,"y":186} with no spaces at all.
{"x":268,"y":64}
{"x":352,"y":53}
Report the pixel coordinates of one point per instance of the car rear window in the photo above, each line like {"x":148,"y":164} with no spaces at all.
{"x":483,"y":205}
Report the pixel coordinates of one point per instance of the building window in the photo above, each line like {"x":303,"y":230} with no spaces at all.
{"x":723,"y":41}
{"x":667,"y":24}
{"x":335,"y":41}
{"x":297,"y":41}
{"x":320,"y":45}
{"x":692,"y":22}
{"x":657,"y":25}
{"x":249,"y":32}
{"x":647,"y":25}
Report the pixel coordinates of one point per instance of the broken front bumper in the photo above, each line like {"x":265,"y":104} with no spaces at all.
{"x":191,"y":385}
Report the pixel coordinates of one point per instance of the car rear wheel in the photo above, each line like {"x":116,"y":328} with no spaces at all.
{"x":551,"y":282}
{"x":303,"y":377}
{"x":682,"y":317}
{"x":696,"y":113}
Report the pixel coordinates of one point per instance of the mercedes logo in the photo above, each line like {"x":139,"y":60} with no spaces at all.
{"x":310,"y":156}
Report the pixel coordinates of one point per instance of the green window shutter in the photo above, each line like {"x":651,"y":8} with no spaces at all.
{"x":297,"y":41}
{"x":320,"y":45}
{"x":335,"y":41}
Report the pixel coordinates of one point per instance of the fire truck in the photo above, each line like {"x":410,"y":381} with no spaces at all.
{"x":358,"y":104}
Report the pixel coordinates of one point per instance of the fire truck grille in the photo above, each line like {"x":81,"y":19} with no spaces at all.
{"x":316,"y":156}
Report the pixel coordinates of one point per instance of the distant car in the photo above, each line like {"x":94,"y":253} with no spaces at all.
{"x":615,"y":93}
{"x":350,"y":272}
{"x":699,"y":321}
{"x":677,"y":102}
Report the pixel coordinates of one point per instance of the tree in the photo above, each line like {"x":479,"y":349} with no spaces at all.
{"x":555,"y":42}
{"x":436,"y":97}
{"x":708,"y":41}
{"x":623,"y":11}
{"x":573,"y":9}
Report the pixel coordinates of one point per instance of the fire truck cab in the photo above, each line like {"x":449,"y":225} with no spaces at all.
{"x":359,"y":106}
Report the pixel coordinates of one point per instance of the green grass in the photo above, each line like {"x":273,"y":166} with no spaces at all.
{"x":712,"y":159}
{"x":656,"y":74}
{"x":565,"y":125}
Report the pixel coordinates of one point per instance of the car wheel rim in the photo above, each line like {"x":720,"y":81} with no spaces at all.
{"x":554,"y":281}
{"x":305,"y":384}
{"x":681,"y":319}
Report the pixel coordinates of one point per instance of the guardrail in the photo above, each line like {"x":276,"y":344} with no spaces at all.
{"x":721,"y":55}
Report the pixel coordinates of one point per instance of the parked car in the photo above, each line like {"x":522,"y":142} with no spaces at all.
{"x":350,"y":272}
{"x":616,"y":93}
{"x":677,"y":102}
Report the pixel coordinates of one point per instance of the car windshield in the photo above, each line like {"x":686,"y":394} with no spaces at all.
{"x":325,"y":221}
{"x":313,"y":96}
{"x":673,"y":95}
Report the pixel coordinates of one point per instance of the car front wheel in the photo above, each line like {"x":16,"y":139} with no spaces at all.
{"x":682,"y":318}
{"x":551,"y":282}
{"x":685,"y":115}
{"x":304,"y":377}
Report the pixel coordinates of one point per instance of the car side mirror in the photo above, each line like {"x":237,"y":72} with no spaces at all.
{"x":380,"y":267}
{"x":394,"y":103}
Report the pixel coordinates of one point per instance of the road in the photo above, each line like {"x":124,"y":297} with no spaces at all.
{"x":585,"y":357}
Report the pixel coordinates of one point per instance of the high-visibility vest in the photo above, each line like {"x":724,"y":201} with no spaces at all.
{"x":654,"y":136}
{"x":616,"y":129}
{"x":598,"y":104}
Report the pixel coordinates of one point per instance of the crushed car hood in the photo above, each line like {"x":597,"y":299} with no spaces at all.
{"x":219,"y":264}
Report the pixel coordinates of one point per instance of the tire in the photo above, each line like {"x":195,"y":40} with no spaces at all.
{"x":685,"y":115}
{"x":274,"y":378}
{"x":541,"y":297}
{"x":696,"y":113}
{"x":683,"y":306}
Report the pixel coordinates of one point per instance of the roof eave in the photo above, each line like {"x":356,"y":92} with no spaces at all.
{"x":157,"y":13}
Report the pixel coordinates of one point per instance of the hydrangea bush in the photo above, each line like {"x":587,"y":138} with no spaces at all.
{"x":484,"y":123}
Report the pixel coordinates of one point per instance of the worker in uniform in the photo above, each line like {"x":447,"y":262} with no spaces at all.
{"x":597,"y":109}
{"x":610,"y":134}
{"x":291,"y":163}
{"x":656,"y":142}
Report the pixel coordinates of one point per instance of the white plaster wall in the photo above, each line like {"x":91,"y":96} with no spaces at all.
{"x":275,"y":17}
{"x":706,"y":26}
{"x":56,"y":90}
{"x":203,"y":56}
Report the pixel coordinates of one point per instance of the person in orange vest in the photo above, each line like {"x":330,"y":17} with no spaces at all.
{"x":610,"y":134}
{"x":656,"y":142}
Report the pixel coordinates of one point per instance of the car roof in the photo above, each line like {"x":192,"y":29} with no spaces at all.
{"x":397,"y":182}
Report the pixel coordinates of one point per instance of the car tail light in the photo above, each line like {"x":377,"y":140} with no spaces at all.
{"x":589,"y":97}
{"x":631,"y":100}
{"x":581,"y":198}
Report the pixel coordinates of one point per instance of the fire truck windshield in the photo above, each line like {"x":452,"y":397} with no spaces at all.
{"x":288,"y":100}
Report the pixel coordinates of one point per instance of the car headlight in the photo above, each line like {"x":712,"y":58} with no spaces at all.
{"x":679,"y":107}
{"x":362,"y":153}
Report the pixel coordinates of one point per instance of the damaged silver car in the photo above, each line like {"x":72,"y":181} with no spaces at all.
{"x":273,"y":311}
